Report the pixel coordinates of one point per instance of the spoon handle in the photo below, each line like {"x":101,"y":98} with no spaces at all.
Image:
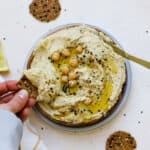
{"x":128,"y":56}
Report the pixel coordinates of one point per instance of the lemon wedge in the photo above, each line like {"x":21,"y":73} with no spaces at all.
{"x":3,"y":62}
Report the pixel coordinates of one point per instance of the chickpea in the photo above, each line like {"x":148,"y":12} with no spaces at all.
{"x":72,"y":83}
{"x":55,"y":56}
{"x":79,"y":49}
{"x":73,"y":62}
{"x":72,"y":75}
{"x":65,"y":70}
{"x":66,"y":52}
{"x":87,"y":101}
{"x":64,"y":79}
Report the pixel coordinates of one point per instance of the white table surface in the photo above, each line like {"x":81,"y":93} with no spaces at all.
{"x":128,"y":21}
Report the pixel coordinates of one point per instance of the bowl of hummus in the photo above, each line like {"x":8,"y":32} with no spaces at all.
{"x":78,"y":80}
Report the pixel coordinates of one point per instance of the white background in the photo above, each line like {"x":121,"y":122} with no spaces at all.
{"x":128,"y":21}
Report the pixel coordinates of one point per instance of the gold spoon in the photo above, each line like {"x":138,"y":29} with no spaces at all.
{"x":128,"y":56}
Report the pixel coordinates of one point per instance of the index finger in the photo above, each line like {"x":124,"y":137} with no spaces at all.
{"x":7,"y":86}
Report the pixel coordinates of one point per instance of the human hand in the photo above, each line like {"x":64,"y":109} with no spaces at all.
{"x":17,"y":102}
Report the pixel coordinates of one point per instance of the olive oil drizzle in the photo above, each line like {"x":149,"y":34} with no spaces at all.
{"x":102,"y":103}
{"x":99,"y":105}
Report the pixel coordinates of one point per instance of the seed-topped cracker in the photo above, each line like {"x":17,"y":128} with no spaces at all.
{"x":121,"y":140}
{"x":45,"y":10}
{"x":24,"y":83}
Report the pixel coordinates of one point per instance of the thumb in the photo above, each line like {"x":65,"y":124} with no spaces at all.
{"x":18,"y":102}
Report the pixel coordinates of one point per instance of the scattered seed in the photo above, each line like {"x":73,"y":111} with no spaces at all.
{"x":124,"y":115}
{"x":84,"y":110}
{"x":75,"y":112}
{"x":65,"y":10}
{"x":141,"y":112}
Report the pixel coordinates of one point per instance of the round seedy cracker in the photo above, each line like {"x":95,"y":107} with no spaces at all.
{"x":121,"y":140}
{"x":45,"y":10}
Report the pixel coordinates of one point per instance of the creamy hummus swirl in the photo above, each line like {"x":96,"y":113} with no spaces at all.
{"x":100,"y":75}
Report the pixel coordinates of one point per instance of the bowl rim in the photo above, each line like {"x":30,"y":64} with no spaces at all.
{"x":124,"y":96}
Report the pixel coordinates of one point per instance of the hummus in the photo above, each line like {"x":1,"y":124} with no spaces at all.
{"x":78,"y":76}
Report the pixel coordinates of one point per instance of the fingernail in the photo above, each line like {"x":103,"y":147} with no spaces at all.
{"x":1,"y":79}
{"x":23,"y":94}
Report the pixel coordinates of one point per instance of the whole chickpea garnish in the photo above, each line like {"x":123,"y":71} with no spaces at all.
{"x":72,"y":83}
{"x":87,"y":101}
{"x":72,"y":75}
{"x":64,"y":70}
{"x":55,"y":56}
{"x":73,"y":62}
{"x":79,"y":49}
{"x":64,"y":78}
{"x":66,"y":52}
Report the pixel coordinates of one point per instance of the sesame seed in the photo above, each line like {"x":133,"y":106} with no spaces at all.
{"x":141,"y":112}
